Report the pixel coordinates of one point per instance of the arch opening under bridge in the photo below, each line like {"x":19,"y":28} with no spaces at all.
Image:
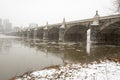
{"x":76,"y":33}
{"x":111,"y":33}
{"x":40,"y":32}
{"x":53,"y":34}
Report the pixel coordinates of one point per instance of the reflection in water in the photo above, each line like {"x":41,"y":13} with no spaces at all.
{"x":25,"y":55}
{"x":88,"y":41}
{"x":88,"y":48}
{"x":5,"y":45}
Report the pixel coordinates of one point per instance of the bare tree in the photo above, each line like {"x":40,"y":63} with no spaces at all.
{"x":117,"y":3}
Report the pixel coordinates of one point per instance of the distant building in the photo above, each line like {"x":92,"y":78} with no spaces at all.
{"x":16,"y":29}
{"x":0,"y":21}
{"x":7,"y":25}
{"x":0,"y":25}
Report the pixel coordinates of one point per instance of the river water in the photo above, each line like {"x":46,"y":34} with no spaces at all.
{"x":18,"y":55}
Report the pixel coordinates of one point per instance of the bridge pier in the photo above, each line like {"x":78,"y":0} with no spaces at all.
{"x":95,"y":35}
{"x":62,"y":31}
{"x":95,"y":27}
{"x":45,"y":33}
{"x":61,"y":34}
{"x":28,"y":33}
{"x":35,"y":33}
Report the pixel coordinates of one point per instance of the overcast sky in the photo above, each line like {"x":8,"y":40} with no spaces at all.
{"x":23,"y":12}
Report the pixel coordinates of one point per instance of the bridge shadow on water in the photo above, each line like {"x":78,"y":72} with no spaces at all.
{"x":76,"y":52}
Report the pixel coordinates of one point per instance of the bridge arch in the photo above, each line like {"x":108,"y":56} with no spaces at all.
{"x":76,"y":33}
{"x":110,"y":22}
{"x":53,"y":34}
{"x":111,"y":32}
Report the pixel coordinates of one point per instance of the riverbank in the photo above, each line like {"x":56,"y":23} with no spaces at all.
{"x":102,"y":70}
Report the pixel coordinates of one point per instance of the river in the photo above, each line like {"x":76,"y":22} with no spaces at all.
{"x":19,"y":55}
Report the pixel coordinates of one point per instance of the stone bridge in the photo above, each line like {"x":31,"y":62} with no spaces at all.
{"x":103,"y":30}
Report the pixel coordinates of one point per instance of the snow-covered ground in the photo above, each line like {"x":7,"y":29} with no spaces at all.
{"x":104,"y":70}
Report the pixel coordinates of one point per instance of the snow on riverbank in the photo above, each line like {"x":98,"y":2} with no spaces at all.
{"x":105,"y":70}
